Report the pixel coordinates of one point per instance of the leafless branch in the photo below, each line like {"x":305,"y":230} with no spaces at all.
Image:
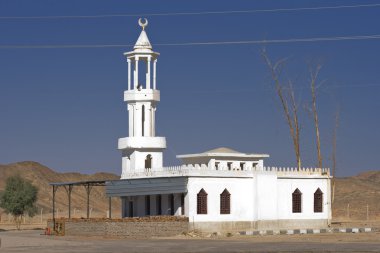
{"x":333,"y":156}
{"x":291,"y":115}
{"x":313,"y":83}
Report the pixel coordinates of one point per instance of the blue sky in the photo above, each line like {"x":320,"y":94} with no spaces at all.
{"x":63,"y":107}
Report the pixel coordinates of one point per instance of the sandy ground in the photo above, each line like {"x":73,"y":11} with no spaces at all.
{"x":335,"y":223}
{"x":32,"y":241}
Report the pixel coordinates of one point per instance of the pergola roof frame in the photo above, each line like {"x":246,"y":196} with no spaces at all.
{"x":68,"y":186}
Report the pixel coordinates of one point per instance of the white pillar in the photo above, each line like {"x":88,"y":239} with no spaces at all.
{"x":153,"y":124}
{"x":148,"y":117}
{"x":129,"y":74}
{"x":131,"y":119}
{"x":148,"y":73}
{"x":154,"y":73}
{"x":125,"y":165}
{"x":136,"y":77}
{"x":137,"y":120}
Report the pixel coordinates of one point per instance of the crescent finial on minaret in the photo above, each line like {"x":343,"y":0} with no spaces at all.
{"x":143,"y":25}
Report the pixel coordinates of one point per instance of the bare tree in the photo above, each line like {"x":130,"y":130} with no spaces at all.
{"x":313,"y":82}
{"x":286,"y":95}
{"x":333,"y":155}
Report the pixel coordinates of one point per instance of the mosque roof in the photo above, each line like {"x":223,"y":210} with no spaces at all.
{"x":222,"y":152}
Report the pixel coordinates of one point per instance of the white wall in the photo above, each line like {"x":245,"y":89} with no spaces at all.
{"x":241,"y":190}
{"x":307,"y":186}
{"x":263,"y":197}
{"x":137,"y":161}
{"x":265,"y":202}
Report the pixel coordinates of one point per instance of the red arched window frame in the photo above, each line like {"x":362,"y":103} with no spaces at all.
{"x":225,"y":202}
{"x":297,"y":201}
{"x":202,"y":202}
{"x":318,"y":200}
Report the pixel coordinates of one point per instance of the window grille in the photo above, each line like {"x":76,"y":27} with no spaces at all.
{"x":297,"y":201}
{"x":318,"y":200}
{"x":202,"y":202}
{"x":225,"y":202}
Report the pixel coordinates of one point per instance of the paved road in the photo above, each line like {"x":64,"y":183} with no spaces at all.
{"x":33,"y":242}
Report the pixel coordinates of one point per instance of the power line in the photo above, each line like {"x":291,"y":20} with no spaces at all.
{"x":197,"y":13}
{"x":239,"y":91}
{"x":263,"y":42}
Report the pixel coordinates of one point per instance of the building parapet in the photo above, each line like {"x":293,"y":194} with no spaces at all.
{"x":209,"y":171}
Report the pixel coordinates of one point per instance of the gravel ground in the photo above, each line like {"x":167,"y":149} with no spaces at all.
{"x":32,"y":241}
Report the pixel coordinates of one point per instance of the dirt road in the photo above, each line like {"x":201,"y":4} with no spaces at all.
{"x":33,"y":242}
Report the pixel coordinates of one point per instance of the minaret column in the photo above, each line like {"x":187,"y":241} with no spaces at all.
{"x":148,"y":118}
{"x":131,"y":119}
{"x":136,"y":73}
{"x":154,"y":73}
{"x":142,"y":148}
{"x":153,"y":125}
{"x":137,"y":120}
{"x":129,"y":74}
{"x":148,"y":72}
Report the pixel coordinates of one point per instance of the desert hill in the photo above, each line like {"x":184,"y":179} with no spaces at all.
{"x":41,"y":176}
{"x":357,"y":191}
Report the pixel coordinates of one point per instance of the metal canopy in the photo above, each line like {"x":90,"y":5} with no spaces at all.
{"x":146,"y":186}
{"x":83,"y":183}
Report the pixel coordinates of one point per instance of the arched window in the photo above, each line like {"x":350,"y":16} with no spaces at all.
{"x":148,"y":162}
{"x":225,"y":202}
{"x":318,"y":200}
{"x":202,"y":202}
{"x":297,"y":201}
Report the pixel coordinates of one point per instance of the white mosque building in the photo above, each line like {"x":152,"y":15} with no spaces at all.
{"x":220,"y":189}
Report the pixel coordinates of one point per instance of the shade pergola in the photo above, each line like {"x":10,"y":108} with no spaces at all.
{"x":68,"y":186}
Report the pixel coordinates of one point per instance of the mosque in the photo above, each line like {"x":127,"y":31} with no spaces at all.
{"x":219,"y":189}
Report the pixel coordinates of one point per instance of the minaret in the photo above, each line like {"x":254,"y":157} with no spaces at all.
{"x":142,"y":149}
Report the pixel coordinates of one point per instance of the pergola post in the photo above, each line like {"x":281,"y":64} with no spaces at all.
{"x":55,"y":187}
{"x":88,"y":191}
{"x":68,"y":191}
{"x":69,"y":186}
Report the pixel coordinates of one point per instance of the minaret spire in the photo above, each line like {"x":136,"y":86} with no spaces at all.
{"x":141,"y":149}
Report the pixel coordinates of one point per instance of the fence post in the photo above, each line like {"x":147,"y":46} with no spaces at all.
{"x":348,"y":211}
{"x":367,"y":212}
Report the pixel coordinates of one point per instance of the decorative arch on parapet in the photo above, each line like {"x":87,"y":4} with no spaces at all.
{"x":318,"y":201}
{"x":225,"y":202}
{"x":297,"y":201}
{"x":202,"y":202}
